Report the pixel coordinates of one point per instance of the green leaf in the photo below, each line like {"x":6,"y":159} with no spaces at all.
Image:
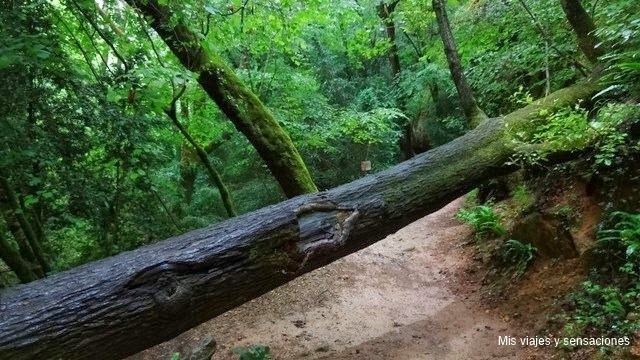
{"x":113,"y":95}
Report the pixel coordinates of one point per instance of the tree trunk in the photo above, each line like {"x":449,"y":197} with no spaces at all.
{"x":236,"y":101}
{"x":214,"y":175}
{"x":120,"y":305}
{"x":188,"y":170}
{"x":25,"y":252}
{"x":584,"y":27}
{"x":189,"y":165}
{"x":17,"y":264}
{"x":385,"y":12}
{"x":472,"y":112}
{"x":20,"y":226}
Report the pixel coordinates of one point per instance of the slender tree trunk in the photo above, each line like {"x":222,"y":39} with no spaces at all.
{"x":24,"y":249}
{"x":13,"y":206}
{"x":213,"y":174}
{"x":188,"y":170}
{"x":472,"y":112}
{"x":584,"y":28}
{"x":236,"y":100}
{"x":189,"y":165}
{"x":385,"y":12}
{"x":17,"y":264}
{"x":120,"y":305}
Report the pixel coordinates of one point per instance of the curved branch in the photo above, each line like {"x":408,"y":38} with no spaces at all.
{"x":102,"y":35}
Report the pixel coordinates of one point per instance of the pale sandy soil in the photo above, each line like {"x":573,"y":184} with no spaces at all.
{"x":414,"y":295}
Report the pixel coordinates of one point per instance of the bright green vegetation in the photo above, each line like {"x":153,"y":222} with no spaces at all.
{"x":484,"y":220}
{"x":126,"y":122}
{"x":511,"y":258}
{"x":522,"y":197}
{"x":253,"y":352}
{"x":516,"y":256}
{"x":101,"y":116}
{"x":607,"y":302}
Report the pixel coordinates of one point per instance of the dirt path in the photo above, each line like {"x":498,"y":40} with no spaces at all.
{"x":410,"y":296}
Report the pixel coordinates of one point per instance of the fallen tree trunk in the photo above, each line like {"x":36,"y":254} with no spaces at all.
{"x":120,"y":305}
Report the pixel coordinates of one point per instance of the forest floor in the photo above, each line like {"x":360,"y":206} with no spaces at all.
{"x":418,"y":294}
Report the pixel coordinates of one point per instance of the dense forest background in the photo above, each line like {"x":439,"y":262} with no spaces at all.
{"x":108,"y":142}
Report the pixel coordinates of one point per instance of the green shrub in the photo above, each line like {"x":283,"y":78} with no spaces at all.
{"x":609,"y":302}
{"x":253,"y":352}
{"x":516,"y":255}
{"x":483,"y":219}
{"x":612,"y":147}
{"x":522,"y":197}
{"x":620,"y":35}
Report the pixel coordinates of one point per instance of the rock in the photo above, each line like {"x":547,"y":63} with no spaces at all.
{"x":633,"y":316}
{"x":299,"y":323}
{"x":204,"y":350}
{"x":549,"y":235}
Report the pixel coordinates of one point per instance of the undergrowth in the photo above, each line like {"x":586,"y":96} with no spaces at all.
{"x":253,"y":352}
{"x":515,"y":256}
{"x":608,"y":303}
{"x":484,"y":220}
{"x":511,"y":258}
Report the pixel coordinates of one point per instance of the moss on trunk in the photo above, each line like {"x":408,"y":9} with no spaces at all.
{"x":235,"y":99}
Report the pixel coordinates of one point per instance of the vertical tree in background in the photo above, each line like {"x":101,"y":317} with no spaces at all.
{"x":212,"y":173}
{"x":584,"y":28}
{"x":385,"y":12}
{"x":20,"y":226}
{"x":23,"y":261}
{"x":235,"y":99}
{"x":472,"y":112}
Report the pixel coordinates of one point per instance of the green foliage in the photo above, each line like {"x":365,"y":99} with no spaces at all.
{"x":94,"y":160}
{"x":515,"y":255}
{"x":604,"y":308}
{"x":522,"y":197}
{"x":375,"y":127}
{"x":567,"y":128}
{"x":608,"y":302}
{"x":625,"y":232}
{"x":521,"y":97}
{"x":511,"y":54}
{"x":571,"y":128}
{"x":253,"y":352}
{"x":175,"y":356}
{"x":619,"y":34}
{"x":74,"y":241}
{"x":483,"y":219}
{"x":612,"y":145}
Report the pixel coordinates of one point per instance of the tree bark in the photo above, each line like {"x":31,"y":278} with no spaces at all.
{"x":15,"y":261}
{"x":472,"y":111}
{"x":11,"y":208}
{"x":236,"y":100}
{"x":24,"y":249}
{"x":214,"y":175}
{"x":188,"y":170}
{"x":385,"y":12}
{"x":120,"y":305}
{"x":584,"y":28}
{"x":189,"y":165}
